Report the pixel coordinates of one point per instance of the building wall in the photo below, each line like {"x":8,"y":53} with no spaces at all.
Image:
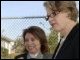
{"x":7,"y":45}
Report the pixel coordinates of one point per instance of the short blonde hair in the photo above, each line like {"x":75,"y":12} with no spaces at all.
{"x":63,"y":6}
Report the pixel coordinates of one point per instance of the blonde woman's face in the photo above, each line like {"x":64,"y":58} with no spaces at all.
{"x":59,"y":21}
{"x":31,"y":43}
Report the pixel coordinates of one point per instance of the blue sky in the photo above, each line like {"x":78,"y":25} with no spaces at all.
{"x":13,"y":28}
{"x":22,"y":8}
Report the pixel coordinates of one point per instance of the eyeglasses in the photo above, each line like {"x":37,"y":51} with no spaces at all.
{"x":52,"y":15}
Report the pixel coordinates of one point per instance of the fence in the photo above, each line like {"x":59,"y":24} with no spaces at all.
{"x":12,"y":27}
{"x":15,"y":25}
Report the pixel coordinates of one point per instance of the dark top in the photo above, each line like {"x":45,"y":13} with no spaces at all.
{"x":70,"y":47}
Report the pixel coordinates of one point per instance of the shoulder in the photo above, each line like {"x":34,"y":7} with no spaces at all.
{"x":74,"y":33}
{"x":75,"y":30}
{"x":21,"y":56}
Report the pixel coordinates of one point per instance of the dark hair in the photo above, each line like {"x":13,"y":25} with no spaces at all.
{"x":63,"y":6}
{"x":37,"y":32}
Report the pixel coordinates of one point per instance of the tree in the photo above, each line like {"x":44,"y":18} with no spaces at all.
{"x":52,"y":40}
{"x":4,"y":53}
{"x":18,"y":46}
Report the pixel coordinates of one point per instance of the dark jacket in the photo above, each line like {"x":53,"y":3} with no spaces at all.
{"x":24,"y":56}
{"x":70,"y":47}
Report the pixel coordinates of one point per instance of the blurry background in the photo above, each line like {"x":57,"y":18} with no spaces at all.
{"x":18,"y":15}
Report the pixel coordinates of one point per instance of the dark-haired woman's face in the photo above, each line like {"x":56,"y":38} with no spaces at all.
{"x":32,"y":44}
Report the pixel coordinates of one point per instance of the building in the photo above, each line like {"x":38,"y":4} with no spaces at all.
{"x":7,"y":43}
